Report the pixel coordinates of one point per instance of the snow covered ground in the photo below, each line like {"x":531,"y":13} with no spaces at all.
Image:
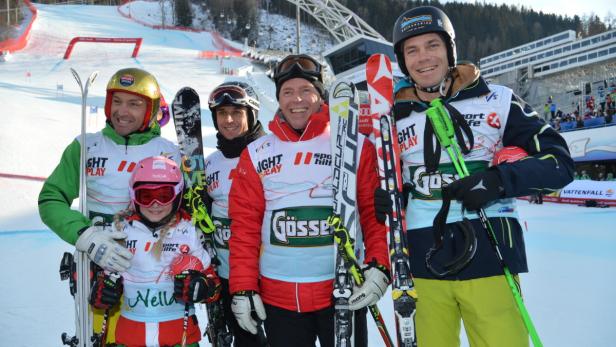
{"x":572,"y":250}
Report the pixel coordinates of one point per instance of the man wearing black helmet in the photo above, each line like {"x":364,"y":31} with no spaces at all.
{"x":235,"y":111}
{"x":281,"y":249}
{"x":490,"y":117}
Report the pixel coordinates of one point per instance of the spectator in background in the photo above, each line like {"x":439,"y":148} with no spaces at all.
{"x":557,"y":124}
{"x":575,"y":175}
{"x":610,"y":176}
{"x":559,"y":114}
{"x":590,"y":103}
{"x":600,"y":177}
{"x":601,"y":93}
{"x":584,"y":175}
{"x":579,"y":121}
{"x":546,"y":111}
{"x":552,"y":110}
{"x":609,"y":105}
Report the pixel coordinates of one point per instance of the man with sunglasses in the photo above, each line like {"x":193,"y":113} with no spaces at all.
{"x":130,"y":135}
{"x":235,"y":111}
{"x":491,"y":117}
{"x":281,"y":248}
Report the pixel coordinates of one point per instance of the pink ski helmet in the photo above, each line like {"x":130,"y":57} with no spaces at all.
{"x":156,"y":170}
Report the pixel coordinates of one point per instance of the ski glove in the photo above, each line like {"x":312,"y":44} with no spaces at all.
{"x":104,"y":249}
{"x":244,"y":304}
{"x":106,"y":290}
{"x":376,"y":281}
{"x":192,"y":286}
{"x":382,"y":204}
{"x":476,"y":190}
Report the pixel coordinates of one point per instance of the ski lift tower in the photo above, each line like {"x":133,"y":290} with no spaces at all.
{"x":356,"y":40}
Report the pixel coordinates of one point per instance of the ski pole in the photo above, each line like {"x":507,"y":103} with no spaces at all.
{"x":345,"y":247}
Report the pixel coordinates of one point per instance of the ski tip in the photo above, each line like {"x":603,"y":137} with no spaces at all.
{"x":344,"y":89}
{"x":185,"y":89}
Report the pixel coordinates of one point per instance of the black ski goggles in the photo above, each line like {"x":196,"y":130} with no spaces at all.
{"x":230,"y":95}
{"x":306,"y":64}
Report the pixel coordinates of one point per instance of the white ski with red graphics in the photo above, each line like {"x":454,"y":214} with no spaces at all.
{"x":380,"y":90}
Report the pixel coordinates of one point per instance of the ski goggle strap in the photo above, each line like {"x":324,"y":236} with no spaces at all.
{"x":305,"y":63}
{"x":230,"y":95}
{"x":163,"y":194}
{"x":469,"y":248}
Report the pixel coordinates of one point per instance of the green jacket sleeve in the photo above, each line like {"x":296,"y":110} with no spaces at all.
{"x":58,"y":193}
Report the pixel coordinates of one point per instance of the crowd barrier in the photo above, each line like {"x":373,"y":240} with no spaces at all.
{"x":12,"y":45}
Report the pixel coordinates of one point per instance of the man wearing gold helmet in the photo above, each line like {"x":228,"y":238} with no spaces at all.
{"x":131,"y":134}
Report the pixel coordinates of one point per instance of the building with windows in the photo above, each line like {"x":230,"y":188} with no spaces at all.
{"x":348,"y":59}
{"x":560,"y":66}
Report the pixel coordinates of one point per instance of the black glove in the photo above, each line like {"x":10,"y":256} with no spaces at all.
{"x":106,"y":290}
{"x":406,"y":193}
{"x":382,"y":204}
{"x":477,"y":189}
{"x":192,"y":286}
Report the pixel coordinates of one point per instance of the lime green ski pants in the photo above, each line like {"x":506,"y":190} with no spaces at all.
{"x":486,"y":305}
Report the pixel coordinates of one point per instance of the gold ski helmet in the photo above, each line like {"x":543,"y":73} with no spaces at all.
{"x":138,"y":82}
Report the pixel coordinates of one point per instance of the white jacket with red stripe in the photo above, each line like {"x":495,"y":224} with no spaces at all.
{"x":280,"y":198}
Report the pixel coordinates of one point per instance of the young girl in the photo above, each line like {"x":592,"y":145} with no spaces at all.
{"x":158,"y":304}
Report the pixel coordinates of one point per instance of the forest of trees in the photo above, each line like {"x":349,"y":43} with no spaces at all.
{"x":481,"y":29}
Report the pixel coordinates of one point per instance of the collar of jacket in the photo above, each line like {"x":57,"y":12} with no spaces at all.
{"x":180,"y":215}
{"x":317,"y":124}
{"x":467,"y":84}
{"x":136,"y":138}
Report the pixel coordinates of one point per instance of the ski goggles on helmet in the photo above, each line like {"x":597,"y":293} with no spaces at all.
{"x":305,"y":63}
{"x":163,"y":194}
{"x":231,"y":95}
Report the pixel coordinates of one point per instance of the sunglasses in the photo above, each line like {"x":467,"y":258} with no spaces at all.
{"x":305,"y":63}
{"x":231,"y":95}
{"x":163,"y":194}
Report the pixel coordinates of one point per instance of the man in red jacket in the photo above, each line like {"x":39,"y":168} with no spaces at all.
{"x":281,"y":249}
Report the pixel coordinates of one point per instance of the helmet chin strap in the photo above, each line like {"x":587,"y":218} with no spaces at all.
{"x":439,"y":87}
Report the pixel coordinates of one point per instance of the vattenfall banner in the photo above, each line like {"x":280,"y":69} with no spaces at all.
{"x":581,"y":191}
{"x":590,"y":190}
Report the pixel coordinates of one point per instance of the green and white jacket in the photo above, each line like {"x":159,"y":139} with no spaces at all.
{"x":110,"y":160}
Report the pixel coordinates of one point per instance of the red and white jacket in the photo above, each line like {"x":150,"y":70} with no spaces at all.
{"x":280,"y":245}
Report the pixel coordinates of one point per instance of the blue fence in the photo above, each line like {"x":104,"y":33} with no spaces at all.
{"x":588,"y":123}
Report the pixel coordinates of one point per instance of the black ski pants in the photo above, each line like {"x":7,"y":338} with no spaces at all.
{"x":301,"y":329}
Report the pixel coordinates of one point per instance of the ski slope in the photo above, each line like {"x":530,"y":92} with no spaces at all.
{"x":572,"y":250}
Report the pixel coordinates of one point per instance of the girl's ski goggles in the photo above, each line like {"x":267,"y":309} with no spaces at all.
{"x":163,"y":194}
{"x":305,"y":63}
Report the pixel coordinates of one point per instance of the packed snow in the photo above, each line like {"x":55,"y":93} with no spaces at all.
{"x":572,"y":250}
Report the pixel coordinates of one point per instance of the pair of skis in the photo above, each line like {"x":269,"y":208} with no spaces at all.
{"x":344,"y":103}
{"x":379,"y":77}
{"x":186,"y":109}
{"x":84,"y":333}
{"x":344,"y":111}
